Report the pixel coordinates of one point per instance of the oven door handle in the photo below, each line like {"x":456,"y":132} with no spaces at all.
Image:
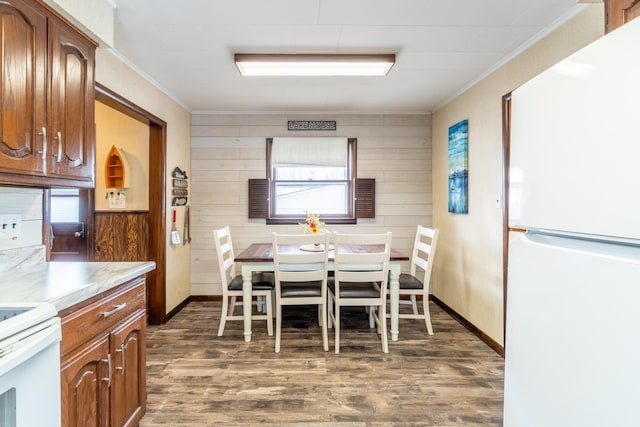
{"x":21,"y":347}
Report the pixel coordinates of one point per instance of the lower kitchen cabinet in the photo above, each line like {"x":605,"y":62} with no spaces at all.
{"x":103,"y":359}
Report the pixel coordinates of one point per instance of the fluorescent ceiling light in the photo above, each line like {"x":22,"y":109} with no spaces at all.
{"x":258,"y":64}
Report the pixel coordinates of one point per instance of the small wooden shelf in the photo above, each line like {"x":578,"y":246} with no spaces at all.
{"x":116,"y":169}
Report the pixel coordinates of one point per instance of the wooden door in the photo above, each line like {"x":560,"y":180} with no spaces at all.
{"x":85,"y":381}
{"x":69,"y":213}
{"x":23,"y":92}
{"x":71,"y":64}
{"x":128,"y":389}
{"x":620,"y":12}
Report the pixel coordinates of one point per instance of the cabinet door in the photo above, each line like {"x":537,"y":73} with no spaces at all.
{"x":619,"y":12}
{"x":23,"y":77}
{"x":85,"y":380}
{"x":128,"y":390}
{"x":71,"y":107}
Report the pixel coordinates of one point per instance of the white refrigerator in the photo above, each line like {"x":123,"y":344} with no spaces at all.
{"x":572,"y":348}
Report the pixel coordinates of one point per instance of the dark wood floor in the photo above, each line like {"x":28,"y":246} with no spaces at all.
{"x":195,"y":378}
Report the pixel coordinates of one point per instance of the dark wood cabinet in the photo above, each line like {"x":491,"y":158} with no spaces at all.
{"x":103,"y":359}
{"x":47,"y":98}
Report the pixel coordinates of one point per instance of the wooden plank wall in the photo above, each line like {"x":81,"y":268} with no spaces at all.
{"x":121,"y":236}
{"x":227,"y":150}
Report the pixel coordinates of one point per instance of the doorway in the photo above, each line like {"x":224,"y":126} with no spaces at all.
{"x":156,"y":279}
{"x":69,"y":212}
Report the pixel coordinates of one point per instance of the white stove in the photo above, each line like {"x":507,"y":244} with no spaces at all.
{"x":29,"y":365}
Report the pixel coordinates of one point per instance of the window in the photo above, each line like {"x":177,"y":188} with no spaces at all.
{"x":311,"y":174}
{"x":65,"y":205}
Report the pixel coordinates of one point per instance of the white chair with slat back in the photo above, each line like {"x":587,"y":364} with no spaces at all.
{"x":301,"y":276}
{"x":360,"y":279}
{"x":417,"y":281}
{"x":232,"y":284}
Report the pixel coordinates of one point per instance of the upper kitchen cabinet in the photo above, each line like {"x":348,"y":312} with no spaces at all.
{"x":619,"y":12}
{"x":46,"y":100}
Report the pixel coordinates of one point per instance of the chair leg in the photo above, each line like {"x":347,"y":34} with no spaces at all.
{"x":267,"y":300}
{"x":223,"y":316}
{"x":278,"y":326}
{"x":322,"y":308}
{"x":232,"y":306}
{"x":414,"y":305}
{"x":336,"y":326}
{"x":382,"y":320}
{"x":372,"y":322}
{"x":329,"y":311}
{"x":427,"y":317}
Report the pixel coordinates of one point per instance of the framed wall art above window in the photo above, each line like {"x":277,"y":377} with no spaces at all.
{"x":311,"y":174}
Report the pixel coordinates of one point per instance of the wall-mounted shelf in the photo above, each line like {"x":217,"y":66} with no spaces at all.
{"x":116,"y":169}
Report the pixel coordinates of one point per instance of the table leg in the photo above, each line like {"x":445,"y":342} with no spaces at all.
{"x":247,"y":273}
{"x":394,"y":298}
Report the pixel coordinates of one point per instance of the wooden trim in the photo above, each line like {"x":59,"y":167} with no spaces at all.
{"x":156,"y":279}
{"x":470,"y":326}
{"x":209,"y":298}
{"x":178,"y":308}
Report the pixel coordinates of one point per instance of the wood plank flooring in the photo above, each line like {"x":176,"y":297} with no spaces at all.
{"x":195,"y":378}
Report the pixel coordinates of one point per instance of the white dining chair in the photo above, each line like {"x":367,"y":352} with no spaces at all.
{"x":232,"y":284}
{"x":301,"y":267}
{"x":416,"y":282}
{"x":361,"y":272}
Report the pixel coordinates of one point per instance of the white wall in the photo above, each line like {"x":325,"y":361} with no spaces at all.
{"x":28,"y":203}
{"x":227,"y":150}
{"x":468,"y":273}
{"x":118,"y":76}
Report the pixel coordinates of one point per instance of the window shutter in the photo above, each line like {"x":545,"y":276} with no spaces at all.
{"x":258,"y":198}
{"x":365,"y":198}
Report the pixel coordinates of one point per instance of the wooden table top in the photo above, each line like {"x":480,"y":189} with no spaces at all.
{"x":263,"y":252}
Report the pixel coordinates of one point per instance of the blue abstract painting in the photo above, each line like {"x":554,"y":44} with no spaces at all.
{"x":459,"y":167}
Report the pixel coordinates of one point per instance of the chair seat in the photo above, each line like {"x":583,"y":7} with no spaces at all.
{"x":355,"y":289}
{"x":260,"y":281}
{"x":301,"y":289}
{"x":407,"y":281}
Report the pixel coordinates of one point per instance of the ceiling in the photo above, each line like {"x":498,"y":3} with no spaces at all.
{"x":442,"y":46}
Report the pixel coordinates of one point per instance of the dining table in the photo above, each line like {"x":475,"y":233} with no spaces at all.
{"x":258,"y":257}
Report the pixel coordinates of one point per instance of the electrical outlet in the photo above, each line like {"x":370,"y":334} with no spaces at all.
{"x":10,"y":226}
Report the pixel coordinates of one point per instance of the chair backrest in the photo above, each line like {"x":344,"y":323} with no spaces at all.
{"x":293,"y":264}
{"x":362,"y":258}
{"x":424,"y":249}
{"x":226,"y":260}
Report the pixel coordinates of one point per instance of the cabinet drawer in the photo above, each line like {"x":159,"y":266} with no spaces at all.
{"x":88,"y":321}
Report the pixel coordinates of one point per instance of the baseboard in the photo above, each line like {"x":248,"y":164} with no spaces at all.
{"x":470,"y":326}
{"x":206,"y":297}
{"x":179,"y":307}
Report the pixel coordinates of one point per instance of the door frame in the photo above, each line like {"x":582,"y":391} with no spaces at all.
{"x":156,"y":279}
{"x":506,"y":156}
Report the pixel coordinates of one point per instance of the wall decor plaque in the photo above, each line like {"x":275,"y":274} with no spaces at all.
{"x":311,"y":125}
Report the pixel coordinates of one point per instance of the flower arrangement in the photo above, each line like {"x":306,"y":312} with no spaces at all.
{"x":312,"y":224}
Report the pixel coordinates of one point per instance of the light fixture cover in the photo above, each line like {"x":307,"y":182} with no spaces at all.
{"x":264,"y":64}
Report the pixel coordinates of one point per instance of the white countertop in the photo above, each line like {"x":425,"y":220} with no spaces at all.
{"x":64,"y":284}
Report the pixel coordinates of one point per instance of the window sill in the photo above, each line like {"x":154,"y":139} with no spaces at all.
{"x":328,"y":221}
